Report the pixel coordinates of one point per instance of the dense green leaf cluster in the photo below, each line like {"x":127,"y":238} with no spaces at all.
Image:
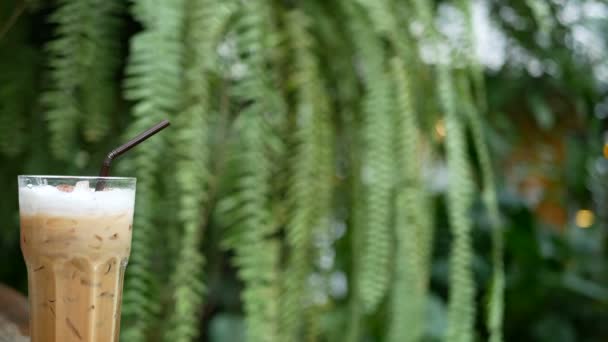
{"x":290,"y":120}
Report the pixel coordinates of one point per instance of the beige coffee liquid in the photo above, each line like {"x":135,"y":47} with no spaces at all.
{"x":75,"y":262}
{"x":75,"y":271}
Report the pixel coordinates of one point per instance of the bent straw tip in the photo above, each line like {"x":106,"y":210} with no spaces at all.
{"x":105,"y":169}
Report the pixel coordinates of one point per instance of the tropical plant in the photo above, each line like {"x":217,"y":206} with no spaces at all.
{"x":292,"y":189}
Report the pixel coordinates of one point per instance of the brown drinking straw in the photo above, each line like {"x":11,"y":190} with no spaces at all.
{"x":105,"y":168}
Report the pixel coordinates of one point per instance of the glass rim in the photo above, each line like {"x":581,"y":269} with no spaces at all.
{"x":77,"y":177}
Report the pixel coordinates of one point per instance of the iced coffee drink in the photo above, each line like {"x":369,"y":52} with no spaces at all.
{"x":76,"y":244}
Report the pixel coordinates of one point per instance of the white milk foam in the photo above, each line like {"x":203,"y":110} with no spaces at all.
{"x":82,"y":201}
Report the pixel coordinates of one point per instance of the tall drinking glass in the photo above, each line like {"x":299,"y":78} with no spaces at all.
{"x":76,"y":243}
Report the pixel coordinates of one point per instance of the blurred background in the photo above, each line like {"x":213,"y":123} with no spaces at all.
{"x":370,"y":170}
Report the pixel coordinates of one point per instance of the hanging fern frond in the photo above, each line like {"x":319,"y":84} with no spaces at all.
{"x":413,"y":234}
{"x":461,"y":309}
{"x":302,"y":190}
{"x":356,"y":311}
{"x":496,"y":295}
{"x":472,"y":110}
{"x":324,"y":230}
{"x":154,"y":83}
{"x":409,"y":288}
{"x":206,"y":21}
{"x":309,"y":195}
{"x":83,"y":62}
{"x":191,"y":179}
{"x":246,"y":213}
{"x":494,"y":320}
{"x":472,"y":62}
{"x":377,"y":163}
{"x":99,"y":91}
{"x":325,"y":160}
{"x":246,"y":209}
{"x":67,"y":71}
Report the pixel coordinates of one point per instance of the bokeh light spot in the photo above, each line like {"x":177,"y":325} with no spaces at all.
{"x":584,"y":218}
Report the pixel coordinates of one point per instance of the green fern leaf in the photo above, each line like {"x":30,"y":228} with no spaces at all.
{"x":256,"y":253}
{"x":154,"y":79}
{"x":246,"y":211}
{"x":461,"y":310}
{"x":495,"y":304}
{"x":377,"y":165}
{"x":473,"y":64}
{"x":309,"y":195}
{"x":205,"y":22}
{"x":83,"y":62}
{"x":412,"y":230}
{"x":191,"y":178}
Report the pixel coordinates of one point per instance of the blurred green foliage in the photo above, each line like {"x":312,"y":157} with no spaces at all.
{"x":334,"y":168}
